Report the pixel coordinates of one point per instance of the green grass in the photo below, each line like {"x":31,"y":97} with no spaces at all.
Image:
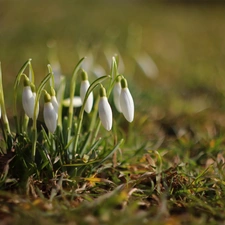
{"x":170,"y":169}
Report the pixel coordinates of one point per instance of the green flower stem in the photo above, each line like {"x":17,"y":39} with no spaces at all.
{"x":16,"y":84}
{"x":92,"y":125}
{"x":114,"y":68}
{"x":114,"y":73}
{"x":94,"y":114}
{"x":60,"y":95}
{"x":34,"y":126}
{"x":31,"y":72}
{"x":25,"y":123}
{"x":80,"y":118}
{"x":2,"y":104}
{"x":72,"y":91}
{"x":52,"y":81}
{"x":96,"y":132}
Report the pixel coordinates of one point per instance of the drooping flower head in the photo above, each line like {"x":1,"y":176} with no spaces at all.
{"x":126,"y":101}
{"x":104,"y":110}
{"x":116,"y":94}
{"x":83,"y":90}
{"x":28,"y":98}
{"x":50,"y":115}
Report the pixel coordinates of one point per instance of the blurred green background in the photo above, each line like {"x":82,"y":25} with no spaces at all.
{"x":174,"y":52}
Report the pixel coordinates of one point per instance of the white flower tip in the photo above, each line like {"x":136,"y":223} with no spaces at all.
{"x":50,"y":117}
{"x":108,"y":128}
{"x":89,"y":103}
{"x":83,"y":90}
{"x":105,"y":113}
{"x":127,"y":104}
{"x":130,"y":119}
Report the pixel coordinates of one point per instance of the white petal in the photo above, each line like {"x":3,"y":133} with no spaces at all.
{"x":34,"y":94}
{"x":55,"y":104}
{"x":50,"y":117}
{"x":105,"y":113}
{"x":127,"y":104}
{"x":116,"y":96}
{"x":83,"y":90}
{"x":28,"y":100}
{"x":77,"y":102}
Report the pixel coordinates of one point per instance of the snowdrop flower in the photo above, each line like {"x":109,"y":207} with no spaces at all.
{"x":28,"y":98}
{"x":104,"y":110}
{"x":54,"y":101}
{"x":83,"y":90}
{"x":116,"y":94}
{"x":50,"y":115}
{"x":126,"y":102}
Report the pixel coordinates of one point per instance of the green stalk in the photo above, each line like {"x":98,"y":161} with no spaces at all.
{"x":96,"y":132}
{"x":2,"y":104}
{"x":72,"y":91}
{"x":60,"y":97}
{"x":52,"y":81}
{"x":114,"y":68}
{"x":25,"y":123}
{"x":31,"y":72}
{"x":34,"y":126}
{"x":81,"y":114}
{"x":94,"y":114}
{"x":16,"y":84}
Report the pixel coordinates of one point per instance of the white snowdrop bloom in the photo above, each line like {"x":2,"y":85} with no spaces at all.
{"x":50,"y":115}
{"x":28,"y":99}
{"x":83,"y":90}
{"x":126,"y":102}
{"x":104,"y":110}
{"x":116,"y":95}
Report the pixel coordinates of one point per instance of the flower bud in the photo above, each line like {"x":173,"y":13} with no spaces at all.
{"x":28,"y":99}
{"x":50,"y":115}
{"x":83,"y":90}
{"x":126,"y":102}
{"x":105,"y":111}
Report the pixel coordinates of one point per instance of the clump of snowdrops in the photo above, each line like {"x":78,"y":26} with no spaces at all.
{"x":59,"y":135}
